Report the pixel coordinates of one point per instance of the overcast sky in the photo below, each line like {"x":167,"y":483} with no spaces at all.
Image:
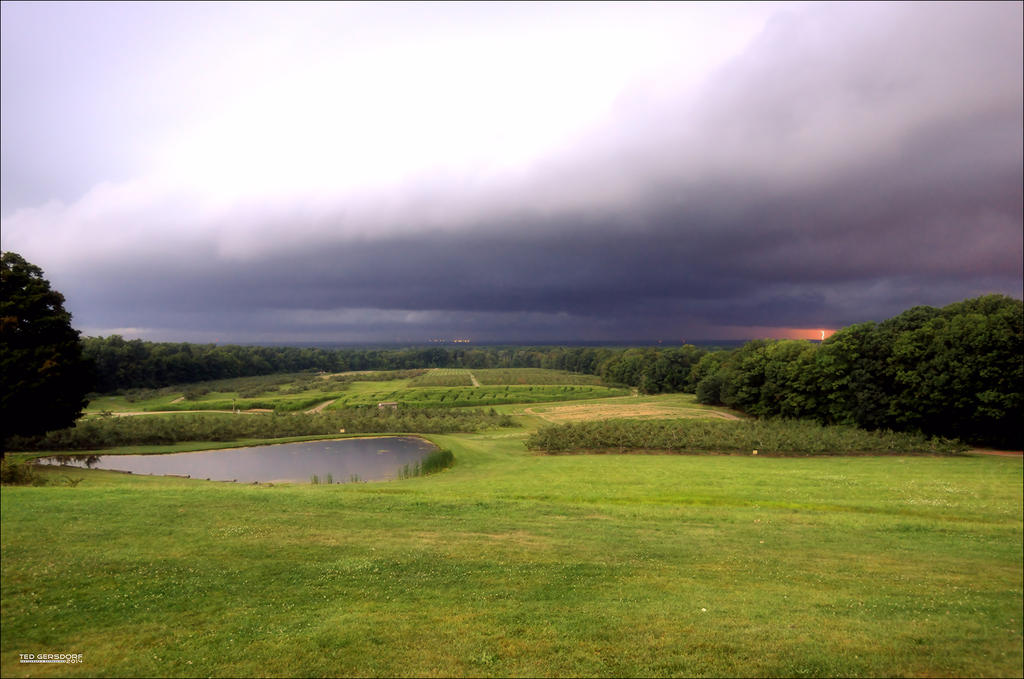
{"x":511,"y":172}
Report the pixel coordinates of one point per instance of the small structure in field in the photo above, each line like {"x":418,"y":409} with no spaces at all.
{"x":388,"y":404}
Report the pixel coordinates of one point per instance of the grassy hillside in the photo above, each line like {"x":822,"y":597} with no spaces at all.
{"x":518,"y":564}
{"x":513,"y":563}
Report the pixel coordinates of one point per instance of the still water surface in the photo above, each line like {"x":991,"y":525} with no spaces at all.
{"x":370,"y":459}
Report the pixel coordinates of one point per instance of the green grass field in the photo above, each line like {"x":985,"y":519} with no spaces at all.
{"x":518,"y":564}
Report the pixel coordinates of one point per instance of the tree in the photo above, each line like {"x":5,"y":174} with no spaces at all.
{"x":708,"y":376}
{"x":960,"y":372}
{"x":44,"y":377}
{"x":742,"y":390}
{"x":791,"y":383}
{"x":954,"y":371}
{"x":856,"y":377}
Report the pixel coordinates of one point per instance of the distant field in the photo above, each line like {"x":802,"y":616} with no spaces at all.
{"x":283,"y":392}
{"x":215,"y":401}
{"x":442,"y":387}
{"x":462,"y":377}
{"x":439,"y":397}
{"x":443,"y":377}
{"x":533,"y":376}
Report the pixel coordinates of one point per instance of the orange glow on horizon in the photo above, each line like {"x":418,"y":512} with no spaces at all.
{"x":804,"y":333}
{"x":759,"y":332}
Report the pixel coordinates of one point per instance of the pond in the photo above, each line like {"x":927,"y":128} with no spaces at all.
{"x":363,"y":459}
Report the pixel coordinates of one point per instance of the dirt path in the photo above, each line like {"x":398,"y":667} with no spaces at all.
{"x":1001,"y":453}
{"x":316,"y":409}
{"x":472,"y":378}
{"x":327,"y":376}
{"x":595,"y":411}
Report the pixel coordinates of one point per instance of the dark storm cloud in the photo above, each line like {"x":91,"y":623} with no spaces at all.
{"x":853,"y":161}
{"x":788,"y":261}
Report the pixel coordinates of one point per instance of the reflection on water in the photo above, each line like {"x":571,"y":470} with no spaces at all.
{"x":369,"y":459}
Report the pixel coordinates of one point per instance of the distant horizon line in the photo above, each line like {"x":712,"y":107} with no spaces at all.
{"x":326,"y":344}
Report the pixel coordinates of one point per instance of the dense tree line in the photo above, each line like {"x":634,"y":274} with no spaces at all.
{"x":132,"y":364}
{"x":955,"y":371}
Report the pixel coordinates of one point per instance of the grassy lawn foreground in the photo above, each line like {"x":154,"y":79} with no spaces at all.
{"x":518,"y":564}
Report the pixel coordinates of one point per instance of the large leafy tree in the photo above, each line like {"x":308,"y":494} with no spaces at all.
{"x":954,"y":371}
{"x":44,"y":376}
{"x":960,"y":373}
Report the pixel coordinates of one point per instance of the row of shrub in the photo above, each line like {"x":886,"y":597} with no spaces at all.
{"x":378,"y":376}
{"x":481,"y":396}
{"x":535,"y":376}
{"x":280,"y":404}
{"x":108,"y":432}
{"x":768,"y":437}
{"x":270,"y":385}
{"x":446,"y":379}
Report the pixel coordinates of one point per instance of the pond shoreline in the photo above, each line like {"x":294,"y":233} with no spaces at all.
{"x":170,"y":448}
{"x":286,"y":443}
{"x":366,"y":458}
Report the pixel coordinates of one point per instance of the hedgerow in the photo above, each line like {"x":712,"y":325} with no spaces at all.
{"x":107,"y":432}
{"x":742,"y":436}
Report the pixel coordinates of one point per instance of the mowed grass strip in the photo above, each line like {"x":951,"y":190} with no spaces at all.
{"x":516,"y":564}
